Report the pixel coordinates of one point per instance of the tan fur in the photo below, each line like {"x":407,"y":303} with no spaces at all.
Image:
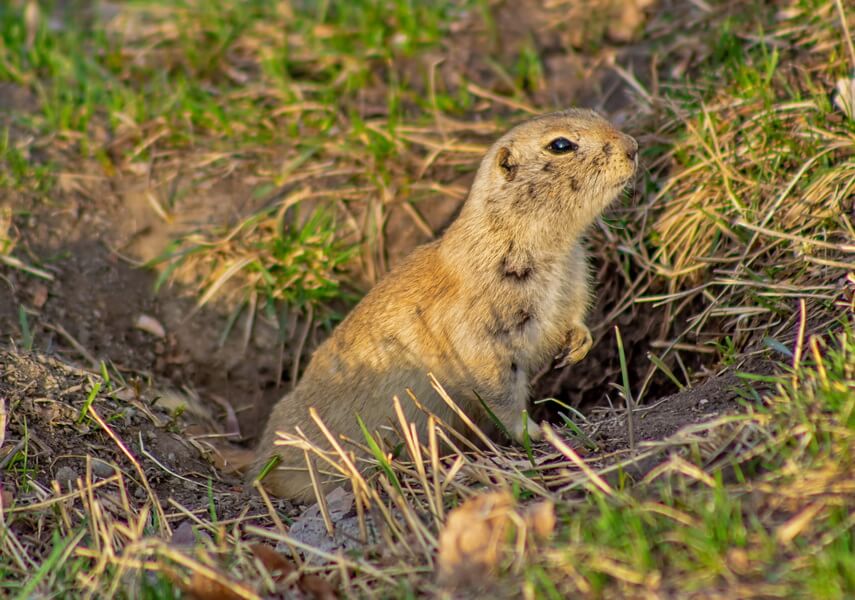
{"x":483,"y":308}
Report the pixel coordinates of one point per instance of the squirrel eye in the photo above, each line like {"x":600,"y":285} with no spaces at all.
{"x":561,"y":146}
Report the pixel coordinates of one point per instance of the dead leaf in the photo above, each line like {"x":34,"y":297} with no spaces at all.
{"x":204,"y":588}
{"x":738,"y":560}
{"x":317,"y":587}
{"x":183,"y":535}
{"x":280,"y":567}
{"x":540,"y":518}
{"x":311,"y":529}
{"x":478,"y":531}
{"x":627,"y":19}
{"x":40,"y":295}
{"x":277,"y":565}
{"x":6,"y":498}
{"x":470,"y":542}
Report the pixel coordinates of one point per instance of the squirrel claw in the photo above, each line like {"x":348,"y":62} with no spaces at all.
{"x":576,"y":348}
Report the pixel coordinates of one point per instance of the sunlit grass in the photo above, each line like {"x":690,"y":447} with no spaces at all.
{"x":742,"y":237}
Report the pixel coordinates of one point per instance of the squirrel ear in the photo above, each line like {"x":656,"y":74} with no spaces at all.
{"x":506,"y":163}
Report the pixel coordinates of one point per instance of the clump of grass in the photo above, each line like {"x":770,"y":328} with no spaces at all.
{"x":19,"y":172}
{"x":738,"y":521}
{"x":277,"y":260}
{"x":749,"y":212}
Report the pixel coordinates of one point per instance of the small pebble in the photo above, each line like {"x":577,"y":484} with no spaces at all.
{"x":102,"y":469}
{"x":183,"y":535}
{"x":66,"y":476}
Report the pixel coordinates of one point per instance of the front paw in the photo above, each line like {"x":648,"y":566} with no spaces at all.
{"x":576,"y":346}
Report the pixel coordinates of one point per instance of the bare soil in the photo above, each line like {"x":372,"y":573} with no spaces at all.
{"x":715,"y":397}
{"x":46,"y":399}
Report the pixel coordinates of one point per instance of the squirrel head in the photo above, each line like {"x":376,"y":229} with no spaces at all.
{"x":565,"y":167}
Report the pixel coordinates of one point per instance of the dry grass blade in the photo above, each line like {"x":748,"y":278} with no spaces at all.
{"x":291,"y":150}
{"x":162,"y":524}
{"x":570,"y":454}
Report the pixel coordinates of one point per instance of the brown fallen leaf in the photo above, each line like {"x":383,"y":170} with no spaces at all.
{"x":202,"y":587}
{"x":6,"y":498}
{"x":626,"y":19}
{"x":280,"y":567}
{"x":470,"y":542}
{"x":540,"y":518}
{"x":40,"y":295}
{"x":277,"y":565}
{"x":317,"y":587}
{"x":478,"y":532}
{"x":183,"y":534}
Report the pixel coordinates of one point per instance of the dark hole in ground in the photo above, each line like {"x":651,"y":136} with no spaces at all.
{"x":592,"y":382}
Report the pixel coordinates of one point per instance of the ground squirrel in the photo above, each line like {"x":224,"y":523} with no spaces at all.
{"x":501,"y":294}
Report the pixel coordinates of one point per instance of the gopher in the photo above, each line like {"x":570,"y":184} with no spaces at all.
{"x":502,"y":293}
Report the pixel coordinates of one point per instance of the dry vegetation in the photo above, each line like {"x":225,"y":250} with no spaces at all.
{"x":707,"y":451}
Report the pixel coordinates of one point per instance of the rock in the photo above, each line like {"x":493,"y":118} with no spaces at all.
{"x":66,"y":476}
{"x":102,"y":469}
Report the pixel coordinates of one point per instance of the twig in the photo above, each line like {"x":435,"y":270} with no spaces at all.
{"x":19,"y":264}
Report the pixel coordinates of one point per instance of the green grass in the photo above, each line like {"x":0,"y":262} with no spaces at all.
{"x":736,"y":240}
{"x":192,"y":81}
{"x":18,"y":170}
{"x":680,"y":534}
{"x":238,"y":79}
{"x":277,"y":260}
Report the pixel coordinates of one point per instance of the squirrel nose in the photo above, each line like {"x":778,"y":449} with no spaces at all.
{"x":631,"y":148}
